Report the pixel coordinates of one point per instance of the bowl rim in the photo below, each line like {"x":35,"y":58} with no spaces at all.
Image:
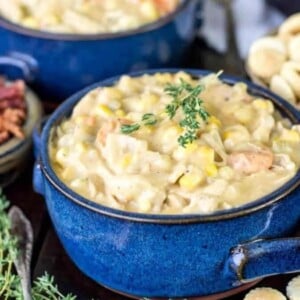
{"x":14,"y":27}
{"x":66,"y":107}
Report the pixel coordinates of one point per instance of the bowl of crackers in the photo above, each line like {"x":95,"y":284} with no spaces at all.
{"x":20,"y":110}
{"x":274,"y":60}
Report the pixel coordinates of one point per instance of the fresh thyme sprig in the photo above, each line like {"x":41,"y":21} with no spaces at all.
{"x":10,"y":283}
{"x":186,"y":97}
{"x":147,"y":119}
{"x":45,"y":288}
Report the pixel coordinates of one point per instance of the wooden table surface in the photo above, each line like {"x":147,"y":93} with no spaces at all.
{"x":49,"y":254}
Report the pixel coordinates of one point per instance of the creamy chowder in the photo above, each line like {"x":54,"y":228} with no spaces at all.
{"x":85,"y":16}
{"x":134,"y":146}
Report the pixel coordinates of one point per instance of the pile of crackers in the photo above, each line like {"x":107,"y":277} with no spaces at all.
{"x":275,"y":60}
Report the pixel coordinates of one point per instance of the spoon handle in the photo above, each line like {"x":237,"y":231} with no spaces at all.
{"x":22,"y":230}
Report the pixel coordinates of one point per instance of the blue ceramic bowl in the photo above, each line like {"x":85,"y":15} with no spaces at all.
{"x":170,"y":256}
{"x":61,"y":64}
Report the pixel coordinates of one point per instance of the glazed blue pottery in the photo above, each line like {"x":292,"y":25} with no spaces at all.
{"x":59,"y":65}
{"x":173,"y":256}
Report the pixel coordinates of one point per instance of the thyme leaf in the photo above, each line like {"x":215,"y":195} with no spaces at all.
{"x":130,"y":128}
{"x":149,"y":119}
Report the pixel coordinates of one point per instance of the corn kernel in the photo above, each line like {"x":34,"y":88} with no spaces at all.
{"x":191,"y":147}
{"x":211,"y":170}
{"x":207,"y":153}
{"x":120,"y":113}
{"x":104,"y":111}
{"x":126,"y":160}
{"x":228,"y":134}
{"x":214,"y":121}
{"x":263,"y":105}
{"x":190,"y":181}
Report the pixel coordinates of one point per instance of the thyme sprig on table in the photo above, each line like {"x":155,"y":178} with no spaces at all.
{"x":10,"y":283}
{"x":185,"y":97}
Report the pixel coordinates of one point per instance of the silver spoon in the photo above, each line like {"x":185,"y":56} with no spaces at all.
{"x":22,"y":230}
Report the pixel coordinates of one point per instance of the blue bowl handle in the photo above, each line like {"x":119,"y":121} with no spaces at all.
{"x":38,"y":179}
{"x":27,"y":64}
{"x":263,"y":258}
{"x":36,"y":136}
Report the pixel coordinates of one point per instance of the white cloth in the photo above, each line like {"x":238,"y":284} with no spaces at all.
{"x":253,"y":19}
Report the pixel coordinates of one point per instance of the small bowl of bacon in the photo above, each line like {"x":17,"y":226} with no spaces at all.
{"x":20,"y":110}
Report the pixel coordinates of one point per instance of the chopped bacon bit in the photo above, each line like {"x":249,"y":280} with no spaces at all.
{"x":12,"y":109}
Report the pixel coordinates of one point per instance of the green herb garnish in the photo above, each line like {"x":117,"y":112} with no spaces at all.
{"x":186,"y":97}
{"x":45,"y":288}
{"x":127,"y":129}
{"x":147,"y":119}
{"x":10,"y":283}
